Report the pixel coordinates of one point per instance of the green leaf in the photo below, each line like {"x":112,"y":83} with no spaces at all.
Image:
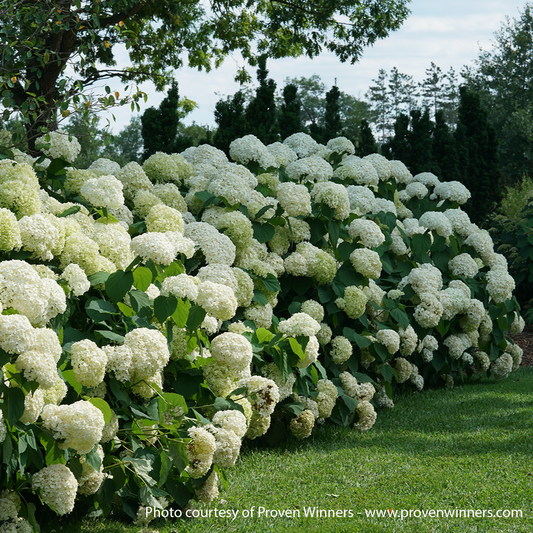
{"x":263,"y":232}
{"x":271,"y":283}
{"x":104,"y":407}
{"x":164,"y":307}
{"x":353,"y":336}
{"x":387,"y":372}
{"x":334,"y":231}
{"x":259,"y":297}
{"x":98,"y":279}
{"x":420,"y":245}
{"x":350,"y":402}
{"x":70,"y":211}
{"x":263,"y":335}
{"x":196,"y":317}
{"x":14,"y":404}
{"x":181,"y":313}
{"x":118,"y":284}
{"x":362,"y":378}
{"x":296,"y":347}
{"x":143,"y":468}
{"x":142,"y":278}
{"x":99,"y":310}
{"x":93,"y":458}
{"x":72,"y":381}
{"x":401,"y":317}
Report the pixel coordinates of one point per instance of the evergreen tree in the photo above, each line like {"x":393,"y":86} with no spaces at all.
{"x":420,"y":141}
{"x":432,"y":87}
{"x":367,"y":144}
{"x":332,"y":116}
{"x":380,"y":97}
{"x":160,"y":126}
{"x":90,"y":136}
{"x":290,"y":117}
{"x":261,"y":111}
{"x":399,"y":146}
{"x":478,"y":156}
{"x":445,"y":156}
{"x":231,"y":120}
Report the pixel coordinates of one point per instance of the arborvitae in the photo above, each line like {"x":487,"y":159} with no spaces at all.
{"x":160,"y":126}
{"x":367,"y":144}
{"x":445,"y":157}
{"x":261,"y":111}
{"x":290,"y":116}
{"x":399,"y":145}
{"x":332,"y":116}
{"x":231,"y":119}
{"x":478,"y":156}
{"x":420,"y":159}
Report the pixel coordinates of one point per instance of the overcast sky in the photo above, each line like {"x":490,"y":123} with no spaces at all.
{"x":448,"y":33}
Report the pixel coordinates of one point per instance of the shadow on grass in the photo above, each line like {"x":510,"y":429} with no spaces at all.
{"x":480,"y":417}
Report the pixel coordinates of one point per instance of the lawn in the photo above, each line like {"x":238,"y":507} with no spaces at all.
{"x":468,"y":450}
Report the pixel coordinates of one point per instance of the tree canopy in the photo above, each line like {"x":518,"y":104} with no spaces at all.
{"x":54,"y":50}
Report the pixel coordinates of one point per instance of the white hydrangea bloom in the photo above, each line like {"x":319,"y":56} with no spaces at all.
{"x":250,"y":148}
{"x":149,"y":352}
{"x":500,"y":285}
{"x":502,"y":366}
{"x":295,"y":199}
{"x":88,"y":362}
{"x":356,"y":170}
{"x":341,"y":350}
{"x":154,"y":246}
{"x":367,"y":231}
{"x":282,"y":153}
{"x":79,"y":425}
{"x":341,"y":145}
{"x":400,"y":172}
{"x":299,"y":324}
{"x":232,"y":420}
{"x":312,"y":168}
{"x":105,"y":191}
{"x":366,"y":262}
{"x":335,"y":196}
{"x":262,"y":393}
{"x":427,"y":178}
{"x":181,"y":286}
{"x":217,"y":299}
{"x":463,"y":265}
{"x":434,"y":220}
{"x":76,"y":279}
{"x":216,"y":247}
{"x":390,"y":339}
{"x":454,"y":191}
{"x":59,"y":144}
{"x":200,"y":451}
{"x":58,"y":487}
{"x":381,"y":164}
{"x":362,"y":199}
{"x":301,"y":143}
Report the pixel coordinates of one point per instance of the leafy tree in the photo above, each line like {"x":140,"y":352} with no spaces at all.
{"x":53,"y":51}
{"x":353,"y":112}
{"x":420,"y":143}
{"x":231,"y":120}
{"x":261,"y":111}
{"x":127,"y":145}
{"x":504,"y":78}
{"x":403,"y":92}
{"x":451,"y":98}
{"x":478,"y":156}
{"x":290,"y":115}
{"x":311,"y":92}
{"x":91,"y":138}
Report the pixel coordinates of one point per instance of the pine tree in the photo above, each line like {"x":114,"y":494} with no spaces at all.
{"x":332,"y":116}
{"x":478,"y":156}
{"x":290,"y":117}
{"x":379,"y":95}
{"x":399,"y":146}
{"x":445,"y":156}
{"x":160,"y":126}
{"x":420,"y":141}
{"x":231,"y":120}
{"x":367,"y":144}
{"x":261,"y":111}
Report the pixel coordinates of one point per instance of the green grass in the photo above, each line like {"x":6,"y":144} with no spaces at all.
{"x":470,"y":447}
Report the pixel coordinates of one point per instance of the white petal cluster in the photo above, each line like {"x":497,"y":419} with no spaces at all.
{"x":250,"y":148}
{"x":341,"y":350}
{"x":88,"y":362}
{"x":200,"y":451}
{"x":367,"y":231}
{"x":463,"y":265}
{"x":105,"y":191}
{"x":453,"y":191}
{"x":302,"y":144}
{"x":76,"y":279}
{"x":218,"y":300}
{"x":57,"y":144}
{"x":299,"y":324}
{"x":294,"y":198}
{"x":366,"y":262}
{"x":333,"y":195}
{"x":78,"y":425}
{"x":58,"y":487}
{"x":310,"y":169}
{"x":354,"y":170}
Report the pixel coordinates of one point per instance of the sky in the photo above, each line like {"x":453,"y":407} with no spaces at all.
{"x":448,"y":33}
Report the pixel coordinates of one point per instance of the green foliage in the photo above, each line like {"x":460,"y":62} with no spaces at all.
{"x":261,"y":119}
{"x":44,"y":39}
{"x":503,"y":75}
{"x":231,"y":121}
{"x":290,"y":112}
{"x":478,"y":156}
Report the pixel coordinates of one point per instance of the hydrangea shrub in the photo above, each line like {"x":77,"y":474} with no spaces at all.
{"x":155,"y":316}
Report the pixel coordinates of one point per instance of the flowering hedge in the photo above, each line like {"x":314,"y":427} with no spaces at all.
{"x":154,"y":316}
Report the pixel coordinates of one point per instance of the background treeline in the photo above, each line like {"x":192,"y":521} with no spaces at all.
{"x":477,"y":130}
